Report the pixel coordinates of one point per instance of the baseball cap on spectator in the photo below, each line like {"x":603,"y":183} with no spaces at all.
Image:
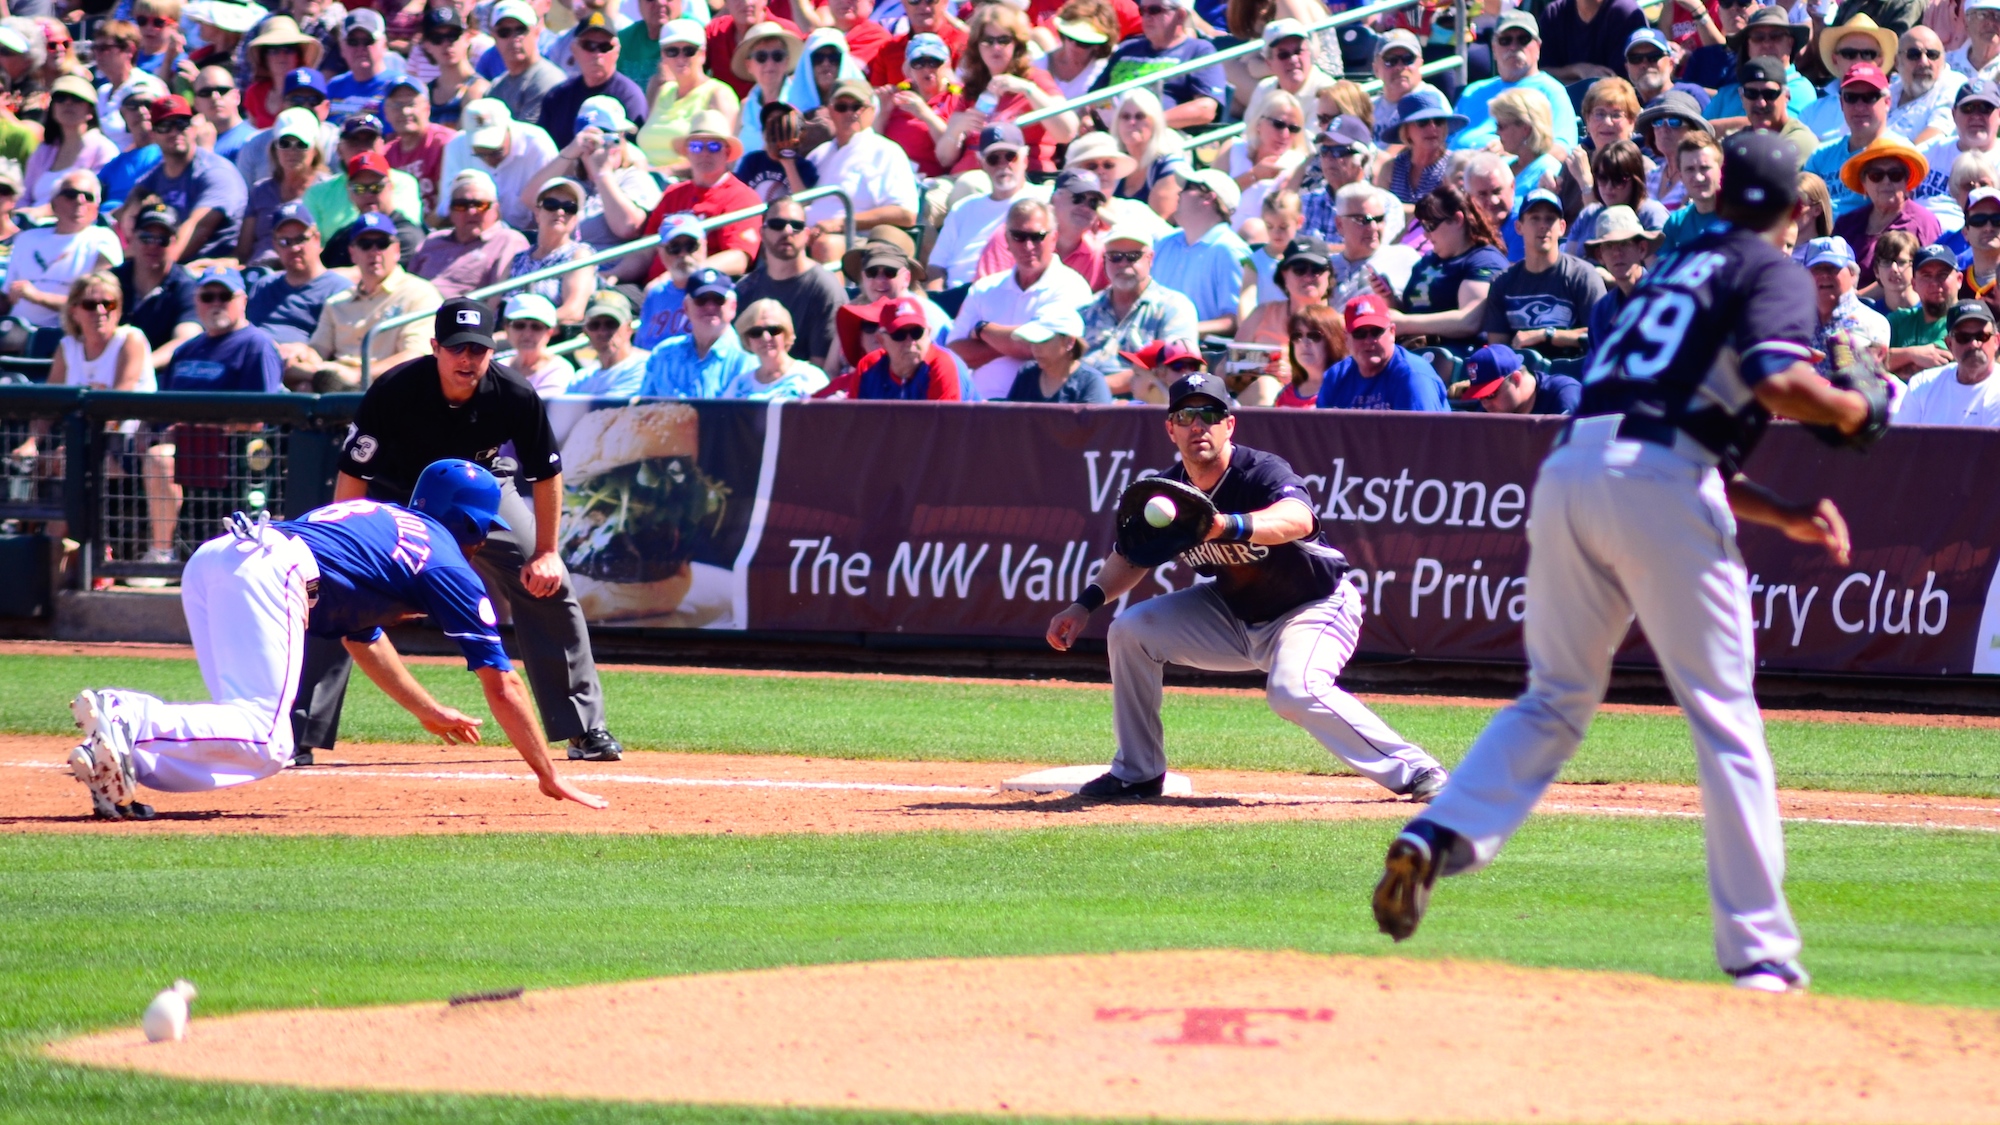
{"x":1673,"y":103}
{"x":1367,"y":311}
{"x":1164,"y":353}
{"x":1198,"y":384}
{"x":1759,"y":170}
{"x":478,"y":180}
{"x":1488,"y":368}
{"x":1306,"y":249}
{"x":1080,"y":183}
{"x":1967,"y":310}
{"x":405,"y":82}
{"x":1184,"y":5}
{"x":603,"y":112}
{"x":1649,"y":36}
{"x":294,"y":212}
{"x":363,"y":19}
{"x":361,"y":123}
{"x":563,"y":185}
{"x":1348,"y":132}
{"x":1988,"y":5}
{"x":13,"y":42}
{"x":225,"y":15}
{"x":1832,"y":250}
{"x":611,"y":303}
{"x":1760,"y":68}
{"x":10,"y":179}
{"x":1866,"y":74}
{"x":140,"y":85}
{"x":707,"y":281}
{"x":1978,"y":89}
{"x":999,"y":137}
{"x":530,"y":306}
{"x":221,"y":275}
{"x":488,"y":121}
{"x":681,"y":225}
{"x":1053,"y":320}
{"x":442,"y":16}
{"x":906,"y":312}
{"x":1934,"y":255}
{"x":1281,"y":29}
{"x":1509,"y":21}
{"x":854,"y":88}
{"x":463,"y":320}
{"x":683,"y":31}
{"x":1539,"y":195}
{"x":927,"y":45}
{"x":158,"y":215}
{"x":513,"y":10}
{"x":1981,"y":195}
{"x":377,"y":222}
{"x":1218,"y":184}
{"x":305,"y":78}
{"x":169,"y":106}
{"x":1399,"y":37}
{"x":595,"y":21}
{"x":370,"y":161}
{"x":1135,"y":233}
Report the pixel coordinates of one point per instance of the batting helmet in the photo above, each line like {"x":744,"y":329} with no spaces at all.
{"x":462,"y":496}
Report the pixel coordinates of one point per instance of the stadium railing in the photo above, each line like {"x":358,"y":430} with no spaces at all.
{"x":602,"y":257}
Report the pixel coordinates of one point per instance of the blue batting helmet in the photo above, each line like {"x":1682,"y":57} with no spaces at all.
{"x":462,"y":496}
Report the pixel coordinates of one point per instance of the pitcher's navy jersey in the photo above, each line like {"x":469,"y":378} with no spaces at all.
{"x":1709,"y":323}
{"x":1261,"y":583}
{"x":380,"y":564}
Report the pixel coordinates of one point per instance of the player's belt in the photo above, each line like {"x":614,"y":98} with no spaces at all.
{"x":1659,"y":431}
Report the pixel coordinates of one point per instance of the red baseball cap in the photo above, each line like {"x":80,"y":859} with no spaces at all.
{"x":368,"y":162}
{"x":169,"y":106}
{"x":1865,"y":74}
{"x":902,"y":312}
{"x":1164,"y":353}
{"x":1367,"y":311}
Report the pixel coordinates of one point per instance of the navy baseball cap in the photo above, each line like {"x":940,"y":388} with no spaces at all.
{"x":405,"y":82}
{"x":376,"y":221}
{"x":1759,"y":170}
{"x":1078,"y":182}
{"x":1001,"y":136}
{"x":305,"y":78}
{"x":1934,"y":255}
{"x":294,"y":212}
{"x":217,"y":275}
{"x":362,"y":123}
{"x":1758,"y":68}
{"x":710,"y":281}
{"x":1649,"y":36}
{"x":462,"y":320}
{"x":1539,"y":195}
{"x":1488,"y":367}
{"x":1977,"y":90}
{"x":158,"y":214}
{"x":1199,"y":384}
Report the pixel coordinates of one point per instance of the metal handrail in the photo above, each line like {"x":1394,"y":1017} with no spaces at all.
{"x":597,"y":259}
{"x":1356,"y":15}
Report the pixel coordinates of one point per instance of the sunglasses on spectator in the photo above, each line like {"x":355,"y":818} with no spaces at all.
{"x":1155,"y":10}
{"x":553,"y":205}
{"x":708,"y":146}
{"x":1919,"y":54}
{"x":1672,"y":121}
{"x":474,"y":206}
{"x":1288,"y":56}
{"x":1371,"y":220}
{"x":97,"y":304}
{"x":303,"y":99}
{"x":1000,"y":156}
{"x":1738,"y":3}
{"x":768,"y":56}
{"x":1284,"y":126}
{"x":1306,"y":269}
{"x":826,"y":56}
{"x":514,"y":32}
{"x":760,"y":331}
{"x":1513,"y":42}
{"x":793,"y":225}
{"x":528,"y":326}
{"x":1895,"y":175}
{"x":215,"y":296}
{"x":367,"y":187}
{"x":600,"y":324}
{"x":1189,"y":415}
{"x":1851,"y":54}
{"x":1644,"y":58}
{"x":998,"y":41}
{"x":1761,"y":94}
{"x":881,"y":273}
{"x":1860,"y":97}
{"x":1971,"y":338}
{"x":1399,"y":59}
{"x":359,"y":41}
{"x":708,"y":300}
{"x":214,"y":91}
{"x":1338,"y":152}
{"x":1100,"y":167}
{"x":1123,"y":257}
{"x":154,"y":238}
{"x":848,"y":109}
{"x":151,"y":21}
{"x":288,"y":241}
{"x":100,"y":48}
{"x":1372,"y":332}
{"x":1314,"y":335}
{"x":374,"y":242}
{"x":1983,"y":219}
{"x":76,"y":195}
{"x":595,"y":46}
{"x":684,"y":51}
{"x":1032,"y":237}
{"x":172,"y":125}
{"x":681,"y":247}
{"x":442,"y":38}
{"x":908,"y":335}
{"x":925,"y":64}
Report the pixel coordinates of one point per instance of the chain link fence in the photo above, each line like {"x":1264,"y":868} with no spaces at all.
{"x":165,"y":489}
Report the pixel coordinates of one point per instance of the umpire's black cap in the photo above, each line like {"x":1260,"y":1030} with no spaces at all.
{"x":464,"y":321}
{"x":1760,"y":171}
{"x":1199,"y":385}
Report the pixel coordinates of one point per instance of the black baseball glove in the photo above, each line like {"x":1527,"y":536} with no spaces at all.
{"x":1140,"y":542}
{"x":1854,"y":368}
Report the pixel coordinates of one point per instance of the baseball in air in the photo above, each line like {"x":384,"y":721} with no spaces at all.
{"x":1159,"y":511}
{"x":167,"y":1015}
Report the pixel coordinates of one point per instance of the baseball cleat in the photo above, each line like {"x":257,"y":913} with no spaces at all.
{"x":1108,"y":788}
{"x":595,"y":745}
{"x":303,"y":756}
{"x":108,"y":746}
{"x":1428,"y":784}
{"x":137,"y":811}
{"x":83,"y":766}
{"x":1408,"y":873}
{"x":1773,"y":976}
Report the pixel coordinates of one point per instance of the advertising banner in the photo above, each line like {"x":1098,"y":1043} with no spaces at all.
{"x":922,"y":519}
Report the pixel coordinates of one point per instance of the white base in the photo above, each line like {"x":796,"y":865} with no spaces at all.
{"x":1068,"y":779}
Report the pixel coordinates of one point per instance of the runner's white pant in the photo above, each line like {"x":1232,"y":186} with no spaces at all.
{"x":1618,"y":527}
{"x":1303,"y":652}
{"x":246,"y":611}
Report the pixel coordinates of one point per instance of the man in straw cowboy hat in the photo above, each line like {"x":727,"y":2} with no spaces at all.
{"x":711,"y":150}
{"x":1842,"y":48}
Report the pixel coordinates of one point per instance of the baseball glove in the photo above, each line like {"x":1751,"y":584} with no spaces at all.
{"x":1855,"y":368}
{"x":1140,"y":542}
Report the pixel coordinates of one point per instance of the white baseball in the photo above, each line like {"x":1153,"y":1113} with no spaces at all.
{"x":167,"y":1015}
{"x":1159,"y":511}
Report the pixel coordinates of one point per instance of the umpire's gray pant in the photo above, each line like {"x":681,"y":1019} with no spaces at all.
{"x":550,"y":634}
{"x":1303,"y":652}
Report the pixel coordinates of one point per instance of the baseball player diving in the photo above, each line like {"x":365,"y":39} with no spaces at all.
{"x":252,"y":597}
{"x":1277,"y":603}
{"x":1634,"y":513}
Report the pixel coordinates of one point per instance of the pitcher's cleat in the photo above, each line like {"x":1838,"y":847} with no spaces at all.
{"x":1408,"y":872}
{"x":1773,"y":976}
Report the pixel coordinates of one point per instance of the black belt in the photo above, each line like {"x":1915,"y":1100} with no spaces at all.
{"x":1632,"y":427}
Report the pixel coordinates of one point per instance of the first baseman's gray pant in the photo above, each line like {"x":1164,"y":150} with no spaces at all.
{"x":553,"y":641}
{"x":1303,"y":652}
{"x":1623,"y":526}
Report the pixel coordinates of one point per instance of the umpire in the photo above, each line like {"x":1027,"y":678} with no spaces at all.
{"x":459,"y":403}
{"x":1277,"y":604}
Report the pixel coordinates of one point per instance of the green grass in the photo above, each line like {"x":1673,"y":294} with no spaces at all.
{"x":855,"y":718}
{"x":91,"y":926}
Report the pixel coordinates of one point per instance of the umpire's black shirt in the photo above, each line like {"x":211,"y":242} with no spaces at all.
{"x":1260,"y":583}
{"x":405,"y":423}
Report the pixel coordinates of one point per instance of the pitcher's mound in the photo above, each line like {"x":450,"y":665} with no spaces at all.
{"x":1216,"y":1035}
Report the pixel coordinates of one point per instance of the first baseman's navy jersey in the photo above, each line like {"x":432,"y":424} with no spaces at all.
{"x":405,"y":423}
{"x":380,"y":564}
{"x":1710,"y":322}
{"x":1260,"y":583}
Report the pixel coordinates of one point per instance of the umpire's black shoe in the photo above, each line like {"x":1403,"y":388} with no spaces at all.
{"x":1109,"y":788}
{"x":595,"y":746}
{"x":302,"y":756}
{"x":1411,"y":868}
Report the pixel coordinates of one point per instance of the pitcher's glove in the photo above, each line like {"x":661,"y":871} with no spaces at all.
{"x":1142,"y":544}
{"x":1852,"y":367}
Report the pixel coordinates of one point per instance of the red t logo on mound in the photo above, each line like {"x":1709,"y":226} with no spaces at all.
{"x":1216,"y":1027}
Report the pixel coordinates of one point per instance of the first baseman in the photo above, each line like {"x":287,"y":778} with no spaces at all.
{"x":1635,"y":514}
{"x":252,"y":597}
{"x":1277,"y":605}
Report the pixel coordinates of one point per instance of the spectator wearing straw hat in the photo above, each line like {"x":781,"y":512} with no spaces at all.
{"x":1884,"y":173}
{"x":594,"y":45}
{"x":1622,"y":246}
{"x":711,"y":150}
{"x":1857,"y":42}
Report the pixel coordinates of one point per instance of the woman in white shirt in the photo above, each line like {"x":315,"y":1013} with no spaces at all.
{"x":767,"y":333}
{"x":531,"y":321}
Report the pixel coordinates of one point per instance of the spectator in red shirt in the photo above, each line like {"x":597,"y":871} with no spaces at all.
{"x":1078,"y":204}
{"x":712,"y":189}
{"x":997,"y":64}
{"x":906,"y":365}
{"x":914,"y":118}
{"x":419,"y":145}
{"x":725,"y":30}
{"x":865,"y":37}
{"x":926,"y":17}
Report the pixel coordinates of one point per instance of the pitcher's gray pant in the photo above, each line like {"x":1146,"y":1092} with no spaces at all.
{"x":552,"y":637}
{"x":1620,"y":527}
{"x":1303,"y":652}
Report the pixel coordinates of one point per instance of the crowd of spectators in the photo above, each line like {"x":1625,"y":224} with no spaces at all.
{"x":211,"y":194}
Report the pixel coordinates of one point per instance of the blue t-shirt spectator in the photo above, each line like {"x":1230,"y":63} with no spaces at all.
{"x":675,"y":371}
{"x":124,"y":171}
{"x":290,"y":312}
{"x":1137,"y":57}
{"x":1208,"y":272}
{"x":208,"y":181}
{"x":244,"y":360}
{"x":1408,"y":382}
{"x":227,"y":145}
{"x":662,"y":314}
{"x":348,"y":95}
{"x":1472,"y":103}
